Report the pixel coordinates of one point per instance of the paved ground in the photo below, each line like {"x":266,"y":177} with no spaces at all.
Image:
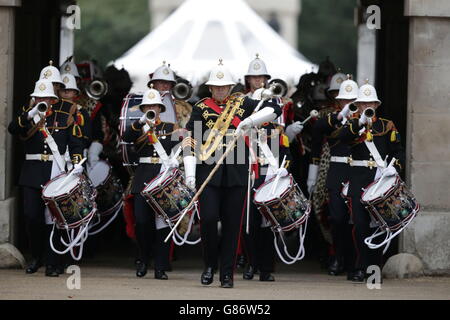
{"x":114,"y":278}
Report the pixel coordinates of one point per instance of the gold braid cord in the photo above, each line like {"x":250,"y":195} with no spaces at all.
{"x":218,"y":131}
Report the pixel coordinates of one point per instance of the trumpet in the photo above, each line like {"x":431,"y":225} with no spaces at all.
{"x":353,"y":108}
{"x":42,"y":107}
{"x":97,"y":89}
{"x":369,"y":113}
{"x":150,"y":115}
{"x":278,"y":87}
{"x":182,"y":91}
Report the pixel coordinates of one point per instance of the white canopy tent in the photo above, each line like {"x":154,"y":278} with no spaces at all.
{"x":199,"y":32}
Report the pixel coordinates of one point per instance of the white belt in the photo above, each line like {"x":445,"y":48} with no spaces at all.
{"x":355,"y":163}
{"x":339,"y":159}
{"x":152,"y":160}
{"x":40,"y":157}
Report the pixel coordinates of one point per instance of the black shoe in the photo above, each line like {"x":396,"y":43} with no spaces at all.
{"x":50,"y":271}
{"x":266,"y":276}
{"x":207,"y":276}
{"x":335,"y":268}
{"x":359,"y":276}
{"x":141,"y":270}
{"x":249,"y":273}
{"x":350,"y":275}
{"x":33,"y":266}
{"x":227,"y":282}
{"x":60,"y":269}
{"x":161,"y":275}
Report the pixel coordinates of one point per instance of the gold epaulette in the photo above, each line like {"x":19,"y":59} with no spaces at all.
{"x":200,"y":104}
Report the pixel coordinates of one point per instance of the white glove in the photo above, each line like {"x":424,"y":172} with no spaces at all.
{"x":190,"y":163}
{"x":389,"y":171}
{"x":173,"y":163}
{"x":312,"y":177}
{"x":245,"y":124}
{"x":293,"y":129}
{"x":143,"y":119}
{"x":363,"y":120}
{"x":94,"y":153}
{"x":33,"y":112}
{"x":282,"y":172}
{"x":344,"y":112}
{"x":78,"y":169}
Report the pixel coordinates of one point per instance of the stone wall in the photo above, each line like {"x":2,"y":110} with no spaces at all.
{"x":428,"y":132}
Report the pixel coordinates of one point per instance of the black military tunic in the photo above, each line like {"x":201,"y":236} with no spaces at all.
{"x":223,"y":198}
{"x":36,"y":173}
{"x":146,"y":233}
{"x":387,"y":141}
{"x":326,"y":130}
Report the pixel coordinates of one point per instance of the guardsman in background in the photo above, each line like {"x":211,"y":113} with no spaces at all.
{"x":178,"y":109}
{"x":258,"y":243}
{"x":373,"y":142}
{"x":224,"y":116}
{"x":325,"y":131}
{"x":35,"y":124}
{"x":150,"y":231}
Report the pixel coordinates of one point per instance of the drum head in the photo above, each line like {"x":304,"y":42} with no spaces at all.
{"x":385,"y":185}
{"x":99,"y":173}
{"x":263,"y":194}
{"x":53,"y":189}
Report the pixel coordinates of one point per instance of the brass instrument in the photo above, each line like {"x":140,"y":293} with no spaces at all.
{"x":97,"y":89}
{"x":353,"y":108}
{"x":278,"y":87}
{"x":369,"y":113}
{"x":182,"y":91}
{"x":42,"y":107}
{"x":150,"y":115}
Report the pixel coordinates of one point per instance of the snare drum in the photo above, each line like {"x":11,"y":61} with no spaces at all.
{"x":109,"y":188}
{"x":169,"y":196}
{"x":72,"y":203}
{"x":391,"y":203}
{"x":286,"y":208}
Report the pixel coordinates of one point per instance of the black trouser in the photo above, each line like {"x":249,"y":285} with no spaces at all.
{"x":224,"y":204}
{"x":38,"y":232}
{"x":361,"y":219}
{"x":258,"y":244}
{"x":148,"y":238}
{"x":341,"y":230}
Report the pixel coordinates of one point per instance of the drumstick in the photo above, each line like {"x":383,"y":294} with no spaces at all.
{"x":277,"y":177}
{"x":69,"y":175}
{"x":312,"y":114}
{"x":197,"y":195}
{"x":382,"y":176}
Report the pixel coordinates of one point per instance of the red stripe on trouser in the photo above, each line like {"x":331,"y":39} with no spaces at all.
{"x":358,"y":256}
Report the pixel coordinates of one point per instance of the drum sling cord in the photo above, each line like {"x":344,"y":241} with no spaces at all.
{"x":74,"y":241}
{"x":180,"y":240}
{"x":119,"y":206}
{"x":389,"y":235}
{"x":301,"y":250}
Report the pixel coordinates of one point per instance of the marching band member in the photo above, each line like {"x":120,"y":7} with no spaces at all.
{"x":144,"y":133}
{"x":163,"y":80}
{"x":225,"y":116}
{"x":259,"y":242}
{"x":373,"y":142}
{"x":324,"y":131}
{"x":47,"y":130}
